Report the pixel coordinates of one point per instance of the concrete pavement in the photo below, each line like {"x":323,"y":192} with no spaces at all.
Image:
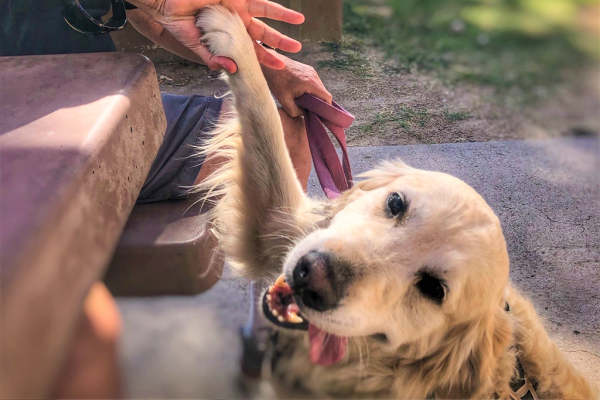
{"x":546,"y":194}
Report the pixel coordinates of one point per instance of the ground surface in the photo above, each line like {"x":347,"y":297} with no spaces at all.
{"x":546,"y":195}
{"x":421,"y":75}
{"x":394,"y":107}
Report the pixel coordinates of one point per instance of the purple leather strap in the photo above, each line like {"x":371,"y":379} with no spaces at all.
{"x":335,"y":177}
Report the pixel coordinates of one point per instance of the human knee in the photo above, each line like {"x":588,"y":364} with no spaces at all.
{"x":103,"y":315}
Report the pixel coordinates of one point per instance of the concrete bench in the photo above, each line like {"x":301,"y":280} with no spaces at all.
{"x":166,"y":249}
{"x":78,"y":134}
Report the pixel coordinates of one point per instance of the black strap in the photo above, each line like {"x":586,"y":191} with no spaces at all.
{"x":518,"y":381}
{"x":521,"y":387}
{"x":129,"y":6}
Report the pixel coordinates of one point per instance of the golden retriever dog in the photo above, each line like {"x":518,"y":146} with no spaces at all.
{"x":399,"y":288}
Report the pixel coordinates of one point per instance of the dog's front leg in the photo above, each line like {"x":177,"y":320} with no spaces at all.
{"x":263,"y":209}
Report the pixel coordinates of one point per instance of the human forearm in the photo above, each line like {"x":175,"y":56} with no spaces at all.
{"x":154,"y":31}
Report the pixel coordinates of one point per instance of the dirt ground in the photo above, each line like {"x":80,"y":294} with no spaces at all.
{"x":393,"y":107}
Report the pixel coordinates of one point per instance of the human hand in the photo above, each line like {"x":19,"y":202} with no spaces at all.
{"x":179,"y":18}
{"x":291,"y":82}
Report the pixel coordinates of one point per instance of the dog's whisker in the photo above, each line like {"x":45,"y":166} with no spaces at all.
{"x":368,"y":350}
{"x":360,"y":362}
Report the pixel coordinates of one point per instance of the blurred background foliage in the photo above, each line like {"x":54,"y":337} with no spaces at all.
{"x":523,"y":44}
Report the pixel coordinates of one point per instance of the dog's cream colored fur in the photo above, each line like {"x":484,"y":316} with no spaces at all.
{"x":463,"y":348}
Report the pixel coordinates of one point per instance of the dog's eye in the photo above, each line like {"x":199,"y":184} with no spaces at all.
{"x":396,"y":204}
{"x":431,"y":287}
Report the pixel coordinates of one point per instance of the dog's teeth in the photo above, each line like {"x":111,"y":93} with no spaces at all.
{"x":275,"y":313}
{"x":280,"y":318}
{"x":294,"y":319}
{"x":280,"y":282}
{"x":269,"y":297}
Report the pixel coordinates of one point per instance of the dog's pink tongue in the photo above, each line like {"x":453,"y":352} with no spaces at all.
{"x":325,"y":348}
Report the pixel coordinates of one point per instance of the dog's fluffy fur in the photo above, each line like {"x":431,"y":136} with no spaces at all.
{"x":465,"y":347}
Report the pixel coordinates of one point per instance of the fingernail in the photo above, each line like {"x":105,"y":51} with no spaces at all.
{"x":232,"y":69}
{"x":227,"y":64}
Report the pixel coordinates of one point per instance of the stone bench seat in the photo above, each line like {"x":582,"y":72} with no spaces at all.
{"x":166,"y":249}
{"x":78,"y":134}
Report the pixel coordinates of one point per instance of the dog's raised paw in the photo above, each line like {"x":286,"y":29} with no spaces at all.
{"x":225,"y":34}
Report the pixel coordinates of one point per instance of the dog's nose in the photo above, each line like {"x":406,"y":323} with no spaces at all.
{"x":313,"y":281}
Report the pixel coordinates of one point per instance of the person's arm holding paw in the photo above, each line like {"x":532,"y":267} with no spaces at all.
{"x":287,"y":79}
{"x":172,"y":25}
{"x":154,"y":31}
{"x":178,"y":19}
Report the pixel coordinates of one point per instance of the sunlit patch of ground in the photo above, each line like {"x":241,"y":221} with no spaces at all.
{"x":421,"y":72}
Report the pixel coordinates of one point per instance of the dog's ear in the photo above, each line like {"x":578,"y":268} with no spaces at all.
{"x":476,"y":358}
{"x":385,"y":173}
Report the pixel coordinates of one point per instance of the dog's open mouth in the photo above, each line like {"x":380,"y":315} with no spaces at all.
{"x":280,"y":308}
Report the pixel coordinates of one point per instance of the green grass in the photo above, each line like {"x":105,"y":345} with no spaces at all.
{"x":418,"y":34}
{"x":347,"y":57}
{"x":456,"y":116}
{"x":402,"y":117}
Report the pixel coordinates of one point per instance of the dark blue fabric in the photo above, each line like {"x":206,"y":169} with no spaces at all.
{"x":189,"y":119}
{"x":37,"y":27}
